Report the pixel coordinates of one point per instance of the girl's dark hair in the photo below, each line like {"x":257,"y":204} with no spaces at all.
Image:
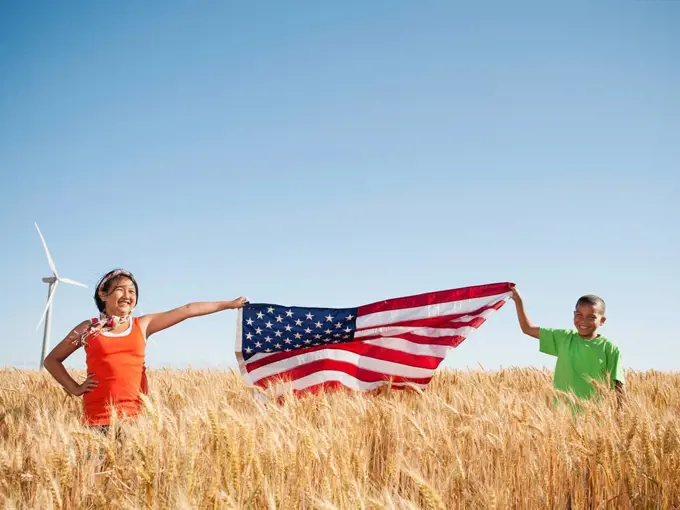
{"x":107,"y":282}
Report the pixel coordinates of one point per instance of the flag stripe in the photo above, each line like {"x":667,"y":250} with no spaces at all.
{"x":352,"y":349}
{"x":327,"y":365}
{"x":442,"y":319}
{"x":415,"y":348}
{"x":433,"y":336}
{"x":363,"y":359}
{"x":444,"y":329}
{"x":451,"y":341}
{"x":381,"y":318}
{"x":433,"y":298}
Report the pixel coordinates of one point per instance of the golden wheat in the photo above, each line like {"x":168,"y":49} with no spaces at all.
{"x":470,"y":440}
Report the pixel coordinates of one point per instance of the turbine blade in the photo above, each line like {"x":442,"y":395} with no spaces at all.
{"x":49,"y":303}
{"x":72,"y":282}
{"x":47,"y":251}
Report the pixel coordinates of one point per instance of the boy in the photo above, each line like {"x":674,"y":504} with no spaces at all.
{"x":582,"y":354}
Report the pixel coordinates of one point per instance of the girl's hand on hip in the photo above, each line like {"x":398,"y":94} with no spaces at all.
{"x":87,"y":385}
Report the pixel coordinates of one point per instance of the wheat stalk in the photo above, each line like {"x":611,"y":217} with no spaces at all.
{"x":471,"y":439}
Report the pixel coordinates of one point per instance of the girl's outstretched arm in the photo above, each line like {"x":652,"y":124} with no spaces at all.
{"x":155,"y":322}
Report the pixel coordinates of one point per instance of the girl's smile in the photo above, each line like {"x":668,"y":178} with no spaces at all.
{"x":121,"y":298}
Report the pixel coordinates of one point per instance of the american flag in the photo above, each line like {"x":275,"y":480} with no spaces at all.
{"x":400,"y":341}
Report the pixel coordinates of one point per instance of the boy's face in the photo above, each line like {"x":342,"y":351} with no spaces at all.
{"x":588,"y":319}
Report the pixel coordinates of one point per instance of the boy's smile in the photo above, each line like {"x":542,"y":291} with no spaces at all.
{"x":588,"y":319}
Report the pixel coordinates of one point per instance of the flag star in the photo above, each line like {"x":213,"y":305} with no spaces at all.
{"x":308,"y":331}
{"x":258,"y":331}
{"x":350,"y":317}
{"x":250,"y":321}
{"x":298,"y":322}
{"x":249,"y":336}
{"x":270,"y":309}
{"x":288,"y":341}
{"x":326,"y":339}
{"x":278,"y":346}
{"x":309,"y":316}
{"x":269,"y":324}
{"x":249,"y":350}
{"x":346,"y":337}
{"x":338,"y":325}
{"x":289,"y":313}
{"x":329,"y":318}
{"x":297,"y":346}
{"x":278,"y":334}
{"x":348,"y":330}
{"x":298,"y":336}
{"x":258,"y":344}
{"x":308,"y":341}
{"x":336,"y":341}
{"x":267,"y":350}
{"x":336,"y":335}
{"x":318,"y":324}
{"x":268,"y":339}
{"x":328,"y":331}
{"x":260,"y":315}
{"x":317,"y":344}
{"x":287,"y":350}
{"x":317,"y":337}
{"x":288,"y":327}
{"x":279,"y":318}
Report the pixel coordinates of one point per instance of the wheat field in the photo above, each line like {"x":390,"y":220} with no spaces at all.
{"x":473,"y":439}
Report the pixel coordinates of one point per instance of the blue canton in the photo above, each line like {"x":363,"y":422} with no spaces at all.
{"x":270,"y":328}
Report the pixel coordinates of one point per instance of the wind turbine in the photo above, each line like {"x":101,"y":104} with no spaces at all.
{"x":52,"y":282}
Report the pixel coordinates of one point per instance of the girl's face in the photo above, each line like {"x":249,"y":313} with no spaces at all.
{"x":120,"y":298}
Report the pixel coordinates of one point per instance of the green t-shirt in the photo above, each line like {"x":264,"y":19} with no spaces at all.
{"x":580,"y":360}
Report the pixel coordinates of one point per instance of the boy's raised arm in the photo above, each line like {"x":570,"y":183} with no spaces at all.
{"x":527,"y":327}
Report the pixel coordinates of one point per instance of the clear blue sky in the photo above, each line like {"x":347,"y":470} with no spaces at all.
{"x":334,"y":154}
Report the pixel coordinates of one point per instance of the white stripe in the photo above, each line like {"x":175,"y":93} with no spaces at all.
{"x":360,"y":360}
{"x":424,"y":312}
{"x":430,"y":332}
{"x":391,"y":343}
{"x":399,"y":344}
{"x":334,"y":375}
{"x":426,"y":331}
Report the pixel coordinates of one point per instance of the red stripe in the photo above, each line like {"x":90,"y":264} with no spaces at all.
{"x":373,"y":351}
{"x":433,"y":298}
{"x":355,"y":371}
{"x":441,"y":320}
{"x":450,"y":341}
{"x":424,"y":340}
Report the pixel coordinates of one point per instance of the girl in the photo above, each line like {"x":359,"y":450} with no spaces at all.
{"x":115,"y":345}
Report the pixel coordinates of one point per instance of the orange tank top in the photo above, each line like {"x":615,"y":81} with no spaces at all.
{"x":117,"y":362}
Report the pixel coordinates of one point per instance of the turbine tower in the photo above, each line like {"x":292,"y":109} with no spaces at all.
{"x":52,"y":282}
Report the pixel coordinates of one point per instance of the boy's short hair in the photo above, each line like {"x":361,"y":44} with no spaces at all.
{"x":592,"y":300}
